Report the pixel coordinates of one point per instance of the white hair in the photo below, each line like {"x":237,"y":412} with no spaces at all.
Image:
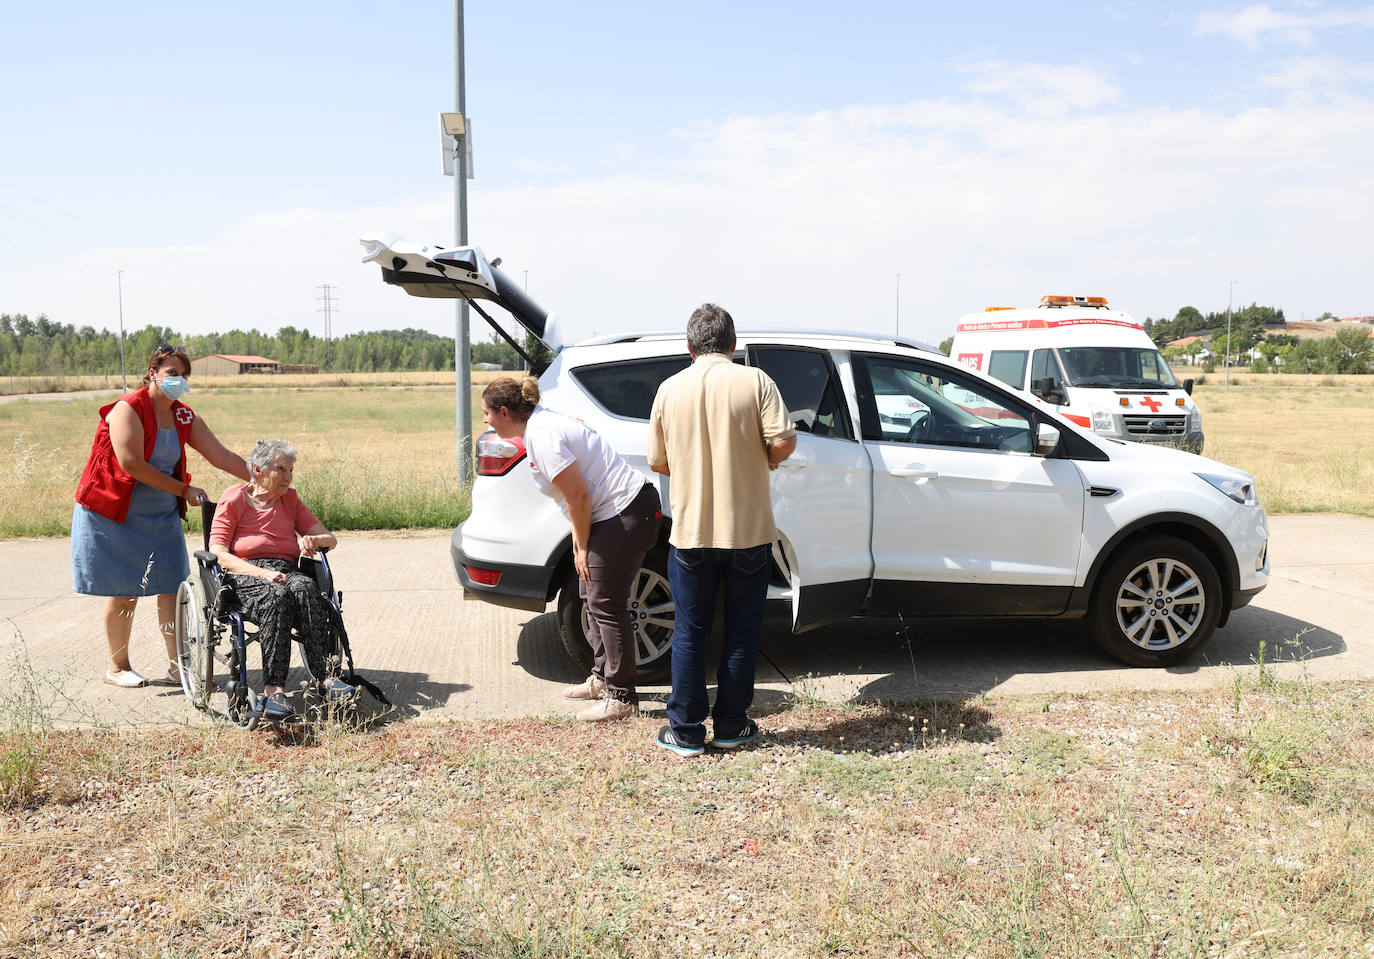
{"x":264,"y":452}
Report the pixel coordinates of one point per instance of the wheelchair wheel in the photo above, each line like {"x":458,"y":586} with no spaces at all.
{"x":196,"y":640}
{"x":195,"y":644}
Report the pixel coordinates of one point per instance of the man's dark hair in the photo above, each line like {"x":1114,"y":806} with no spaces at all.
{"x":710,"y":330}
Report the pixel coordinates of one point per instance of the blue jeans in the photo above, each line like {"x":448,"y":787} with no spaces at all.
{"x":695,"y":575}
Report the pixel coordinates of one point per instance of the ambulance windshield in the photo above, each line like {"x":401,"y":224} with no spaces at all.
{"x":1116,"y":367}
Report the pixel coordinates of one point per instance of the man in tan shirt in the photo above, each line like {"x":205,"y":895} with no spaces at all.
{"x":716,"y":429}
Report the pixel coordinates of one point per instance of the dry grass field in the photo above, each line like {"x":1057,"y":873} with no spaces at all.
{"x":1311,"y":448}
{"x":380,"y":455}
{"x":10,"y":385}
{"x":1237,"y":823}
{"x":371,"y":457}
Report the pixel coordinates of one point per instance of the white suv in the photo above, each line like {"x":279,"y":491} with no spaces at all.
{"x":918,"y":487}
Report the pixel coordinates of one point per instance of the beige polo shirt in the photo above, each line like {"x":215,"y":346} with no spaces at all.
{"x":709,"y":424}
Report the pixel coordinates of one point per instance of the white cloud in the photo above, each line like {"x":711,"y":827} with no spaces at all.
{"x":1252,"y":23}
{"x":1043,"y":88}
{"x":806,"y":219}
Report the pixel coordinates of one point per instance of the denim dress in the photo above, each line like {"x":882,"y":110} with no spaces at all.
{"x":143,"y":556}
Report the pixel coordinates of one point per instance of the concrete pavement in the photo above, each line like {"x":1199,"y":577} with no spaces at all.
{"x":438,"y":656}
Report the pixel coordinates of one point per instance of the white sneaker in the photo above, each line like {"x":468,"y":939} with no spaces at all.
{"x":608,"y":708}
{"x":590,"y":688}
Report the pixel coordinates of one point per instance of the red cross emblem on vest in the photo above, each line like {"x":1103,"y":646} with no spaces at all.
{"x":1152,"y":403}
{"x":184,"y":415}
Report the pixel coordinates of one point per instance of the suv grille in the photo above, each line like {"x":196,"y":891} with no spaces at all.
{"x":1155,"y":425}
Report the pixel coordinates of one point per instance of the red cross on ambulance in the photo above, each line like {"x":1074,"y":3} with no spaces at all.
{"x":1152,"y":403}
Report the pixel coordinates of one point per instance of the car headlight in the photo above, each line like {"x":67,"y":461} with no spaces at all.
{"x":1242,"y":491}
{"x":1194,"y":424}
{"x":1104,"y":422}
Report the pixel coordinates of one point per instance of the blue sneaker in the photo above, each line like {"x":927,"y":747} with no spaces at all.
{"x":668,"y":741}
{"x":749,"y":734}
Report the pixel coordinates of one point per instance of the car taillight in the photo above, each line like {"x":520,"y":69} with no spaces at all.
{"x":496,"y":456}
{"x":483,"y":577}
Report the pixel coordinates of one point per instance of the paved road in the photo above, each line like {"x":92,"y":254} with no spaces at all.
{"x":440,"y":656}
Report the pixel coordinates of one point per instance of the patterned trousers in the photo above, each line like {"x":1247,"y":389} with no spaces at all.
{"x":277,"y":608}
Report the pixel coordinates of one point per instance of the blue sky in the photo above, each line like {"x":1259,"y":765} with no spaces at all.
{"x":785,"y":159}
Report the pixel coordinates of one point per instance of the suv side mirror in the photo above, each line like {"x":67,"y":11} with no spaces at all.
{"x":1047,"y":391}
{"x":1188,"y":386}
{"x":1046,"y":439}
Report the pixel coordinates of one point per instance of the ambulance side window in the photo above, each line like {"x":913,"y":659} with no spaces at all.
{"x":1045,"y":367}
{"x":1009,"y":366}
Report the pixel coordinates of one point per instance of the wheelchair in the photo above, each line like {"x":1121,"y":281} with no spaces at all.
{"x":212,"y":636}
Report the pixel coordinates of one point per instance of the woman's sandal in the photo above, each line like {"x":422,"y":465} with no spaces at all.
{"x":125,"y":679}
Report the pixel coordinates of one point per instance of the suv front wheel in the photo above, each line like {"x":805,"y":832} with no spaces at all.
{"x":1157,"y":602}
{"x":651,"y":617}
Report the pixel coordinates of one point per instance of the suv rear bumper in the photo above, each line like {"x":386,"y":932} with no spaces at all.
{"x":518,"y":587}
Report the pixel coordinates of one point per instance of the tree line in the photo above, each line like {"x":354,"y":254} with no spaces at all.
{"x":42,"y":347}
{"x":1252,"y":343}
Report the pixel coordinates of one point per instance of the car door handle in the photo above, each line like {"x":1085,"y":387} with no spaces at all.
{"x":793,"y":463}
{"x":914,"y":472}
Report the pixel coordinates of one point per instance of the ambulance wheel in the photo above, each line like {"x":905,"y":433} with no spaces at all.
{"x":1157,"y":602}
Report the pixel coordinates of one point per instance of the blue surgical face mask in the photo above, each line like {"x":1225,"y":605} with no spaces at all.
{"x":173,"y":387}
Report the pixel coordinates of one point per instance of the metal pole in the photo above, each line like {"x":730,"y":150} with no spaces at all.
{"x":1229,"y":294}
{"x":462,"y":348}
{"x":123,"y":377}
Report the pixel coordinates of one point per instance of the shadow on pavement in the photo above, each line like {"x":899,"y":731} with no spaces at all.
{"x":539,"y":651}
{"x":950,"y":660}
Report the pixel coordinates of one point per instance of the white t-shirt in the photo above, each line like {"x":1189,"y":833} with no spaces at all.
{"x":554,"y":442}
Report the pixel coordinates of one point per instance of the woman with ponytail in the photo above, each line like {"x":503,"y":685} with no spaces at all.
{"x":615,"y":516}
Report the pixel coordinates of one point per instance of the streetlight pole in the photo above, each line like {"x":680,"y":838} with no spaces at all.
{"x":462,"y":349}
{"x":1229,"y":295}
{"x":123,"y":377}
{"x":898,"y":325}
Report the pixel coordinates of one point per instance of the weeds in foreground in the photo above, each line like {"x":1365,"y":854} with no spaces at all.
{"x":1228,"y":822}
{"x":24,"y":727}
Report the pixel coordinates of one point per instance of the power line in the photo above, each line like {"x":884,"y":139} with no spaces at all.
{"x":327,"y":310}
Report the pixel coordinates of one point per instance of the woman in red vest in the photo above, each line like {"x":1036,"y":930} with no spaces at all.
{"x":127,"y":539}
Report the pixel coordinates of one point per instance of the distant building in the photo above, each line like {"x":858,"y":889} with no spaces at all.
{"x":228,"y":364}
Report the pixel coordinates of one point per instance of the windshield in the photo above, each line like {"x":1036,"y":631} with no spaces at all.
{"x":1116,"y":367}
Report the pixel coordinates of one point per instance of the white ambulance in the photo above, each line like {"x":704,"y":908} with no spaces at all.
{"x":1093,"y":365}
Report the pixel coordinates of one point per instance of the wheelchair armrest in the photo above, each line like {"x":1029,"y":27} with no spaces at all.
{"x":318,"y":570}
{"x":206,"y":558}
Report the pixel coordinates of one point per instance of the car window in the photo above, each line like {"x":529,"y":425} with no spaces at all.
{"x":806,"y":381}
{"x":1009,"y":366}
{"x":628,"y":388}
{"x":1044,"y":367}
{"x":929,"y":405}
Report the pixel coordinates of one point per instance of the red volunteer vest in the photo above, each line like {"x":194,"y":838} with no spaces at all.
{"x":105,"y":487}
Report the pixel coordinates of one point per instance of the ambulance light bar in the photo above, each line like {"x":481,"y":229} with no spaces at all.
{"x":994,"y":309}
{"x":1097,"y":301}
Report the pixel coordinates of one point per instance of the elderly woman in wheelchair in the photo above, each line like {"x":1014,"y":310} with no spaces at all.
{"x":265,"y":565}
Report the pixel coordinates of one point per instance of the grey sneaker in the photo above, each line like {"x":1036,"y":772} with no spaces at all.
{"x":590,"y":688}
{"x":608,"y":708}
